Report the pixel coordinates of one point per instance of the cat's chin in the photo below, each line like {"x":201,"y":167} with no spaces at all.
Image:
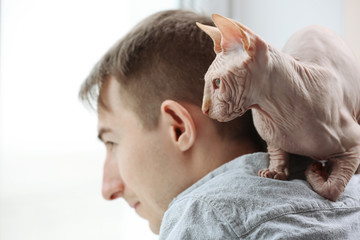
{"x":226,"y":118}
{"x":230,"y":116}
{"x":222,"y":114}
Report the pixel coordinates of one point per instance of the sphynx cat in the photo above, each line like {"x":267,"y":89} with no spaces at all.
{"x":305,"y":99}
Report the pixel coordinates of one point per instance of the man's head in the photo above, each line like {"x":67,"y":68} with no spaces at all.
{"x":148,"y":89}
{"x":164,"y":57}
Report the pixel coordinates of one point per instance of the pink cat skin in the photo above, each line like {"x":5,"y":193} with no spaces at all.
{"x":305,"y":99}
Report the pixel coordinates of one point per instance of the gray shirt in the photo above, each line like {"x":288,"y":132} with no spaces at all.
{"x":232,"y":202}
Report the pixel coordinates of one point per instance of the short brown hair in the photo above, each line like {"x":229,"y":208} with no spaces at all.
{"x":164,"y":57}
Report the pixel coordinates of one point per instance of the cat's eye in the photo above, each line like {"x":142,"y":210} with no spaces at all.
{"x":216,"y":83}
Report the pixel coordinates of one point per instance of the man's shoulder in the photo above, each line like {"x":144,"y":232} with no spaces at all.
{"x":240,"y":201}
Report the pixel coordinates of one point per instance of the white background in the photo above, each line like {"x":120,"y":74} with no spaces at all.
{"x":50,"y":159}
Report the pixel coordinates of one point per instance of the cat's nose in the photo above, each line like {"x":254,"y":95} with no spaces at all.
{"x":206,"y":106}
{"x":205,"y":109}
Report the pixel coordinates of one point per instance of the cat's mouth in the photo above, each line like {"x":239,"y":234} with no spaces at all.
{"x":222,"y":114}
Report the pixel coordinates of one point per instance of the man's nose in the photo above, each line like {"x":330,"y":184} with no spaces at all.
{"x":113,"y":186}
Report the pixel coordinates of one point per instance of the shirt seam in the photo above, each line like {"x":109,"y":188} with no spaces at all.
{"x":296,"y":212}
{"x":225,"y":219}
{"x":214,"y":209}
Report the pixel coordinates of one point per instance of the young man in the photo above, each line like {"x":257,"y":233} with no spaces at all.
{"x":181,"y":170}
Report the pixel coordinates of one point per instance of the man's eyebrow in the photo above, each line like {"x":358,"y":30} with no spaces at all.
{"x":102,"y":131}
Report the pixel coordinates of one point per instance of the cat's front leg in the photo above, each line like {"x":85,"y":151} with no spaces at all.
{"x":278,"y":166}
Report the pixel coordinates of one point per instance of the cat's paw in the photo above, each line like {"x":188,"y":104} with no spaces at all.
{"x":267,"y":173}
{"x":317,"y":176}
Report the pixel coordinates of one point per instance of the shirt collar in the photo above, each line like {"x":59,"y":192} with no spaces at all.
{"x":250,"y":164}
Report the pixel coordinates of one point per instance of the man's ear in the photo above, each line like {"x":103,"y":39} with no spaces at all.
{"x":180,"y":124}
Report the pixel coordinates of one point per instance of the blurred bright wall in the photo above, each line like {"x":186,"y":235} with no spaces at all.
{"x":276,"y":20}
{"x":352,"y":23}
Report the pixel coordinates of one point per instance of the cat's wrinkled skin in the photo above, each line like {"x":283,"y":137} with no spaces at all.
{"x":305,"y":99}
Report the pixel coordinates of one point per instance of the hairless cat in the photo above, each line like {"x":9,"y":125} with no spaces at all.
{"x":305,"y":99}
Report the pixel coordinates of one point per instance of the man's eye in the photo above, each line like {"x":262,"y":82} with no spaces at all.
{"x":216,"y":83}
{"x":110,"y":144}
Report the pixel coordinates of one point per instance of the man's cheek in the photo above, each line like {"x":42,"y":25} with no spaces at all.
{"x":132,"y":169}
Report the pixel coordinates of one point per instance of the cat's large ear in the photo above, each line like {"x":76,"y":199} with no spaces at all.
{"x":232,"y":36}
{"x":214,"y":33}
{"x":234,"y":33}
